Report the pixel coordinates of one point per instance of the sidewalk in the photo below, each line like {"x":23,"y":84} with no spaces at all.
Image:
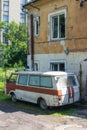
{"x":82,"y":109}
{"x":70,"y":127}
{"x":81,"y":112}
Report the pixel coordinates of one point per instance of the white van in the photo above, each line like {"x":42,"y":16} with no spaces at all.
{"x":43,"y":88}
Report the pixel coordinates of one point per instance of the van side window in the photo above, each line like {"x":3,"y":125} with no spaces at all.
{"x":46,"y":81}
{"x":23,"y":79}
{"x":34,"y":80}
{"x":71,"y":81}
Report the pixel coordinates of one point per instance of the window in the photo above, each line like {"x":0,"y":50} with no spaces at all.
{"x":22,"y":2}
{"x":6,"y":0}
{"x":5,"y":18}
{"x":23,"y":79}
{"x":36,"y":26}
{"x":4,"y":39}
{"x":46,"y":82}
{"x":22,"y":12}
{"x":34,"y":80}
{"x":57,"y":24}
{"x":71,"y":81}
{"x":40,"y":81}
{"x":22,"y":18}
{"x":57,"y":66}
{"x":6,"y":11}
{"x":5,"y":8}
{"x":13,"y":78}
{"x":36,"y":66}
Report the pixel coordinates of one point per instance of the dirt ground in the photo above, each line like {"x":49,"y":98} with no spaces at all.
{"x":15,"y":119}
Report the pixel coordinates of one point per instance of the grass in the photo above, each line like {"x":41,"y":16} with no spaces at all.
{"x":61,"y":111}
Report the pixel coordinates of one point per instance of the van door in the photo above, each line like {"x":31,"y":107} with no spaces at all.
{"x":73,"y":89}
{"x":22,"y":86}
{"x":62,"y":85}
{"x":70,"y":89}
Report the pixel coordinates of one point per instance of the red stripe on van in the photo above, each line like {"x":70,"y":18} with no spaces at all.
{"x":73,"y":93}
{"x":12,"y":86}
{"x":70,"y":93}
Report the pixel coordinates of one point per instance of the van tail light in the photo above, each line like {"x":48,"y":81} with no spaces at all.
{"x":59,"y":97}
{"x":59,"y":94}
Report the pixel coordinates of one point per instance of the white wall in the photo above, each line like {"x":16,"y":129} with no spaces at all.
{"x":14,"y":12}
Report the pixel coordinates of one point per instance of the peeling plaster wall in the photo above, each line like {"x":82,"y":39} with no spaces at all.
{"x":76,"y":37}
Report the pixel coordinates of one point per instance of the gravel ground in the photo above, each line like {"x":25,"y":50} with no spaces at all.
{"x":15,"y":119}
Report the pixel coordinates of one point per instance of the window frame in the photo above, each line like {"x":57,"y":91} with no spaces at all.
{"x":30,"y":81}
{"x":36,"y":66}
{"x":19,"y":77}
{"x":36,"y":25}
{"x":58,"y":62}
{"x":39,"y":85}
{"x":50,"y":16}
{"x":42,"y":86}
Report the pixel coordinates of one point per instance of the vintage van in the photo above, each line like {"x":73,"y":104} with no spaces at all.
{"x":43,"y":88}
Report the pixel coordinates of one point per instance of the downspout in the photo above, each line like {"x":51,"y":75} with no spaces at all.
{"x":32,"y":41}
{"x":80,"y":72}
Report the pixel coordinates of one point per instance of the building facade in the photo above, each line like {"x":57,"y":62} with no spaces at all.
{"x":60,"y":37}
{"x":11,"y":11}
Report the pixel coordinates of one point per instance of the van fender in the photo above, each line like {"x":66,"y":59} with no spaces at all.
{"x":11,"y":92}
{"x":42,"y":103}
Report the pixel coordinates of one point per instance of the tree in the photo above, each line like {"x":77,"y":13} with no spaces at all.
{"x":16,"y":52}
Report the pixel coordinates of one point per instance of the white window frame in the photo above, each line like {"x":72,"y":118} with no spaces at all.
{"x":36,"y":26}
{"x":50,"y":16}
{"x":36,"y":69}
{"x":59,"y":62}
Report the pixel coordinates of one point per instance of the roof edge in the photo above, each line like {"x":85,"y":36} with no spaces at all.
{"x":29,"y":3}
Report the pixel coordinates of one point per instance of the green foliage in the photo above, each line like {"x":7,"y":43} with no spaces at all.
{"x":2,"y":25}
{"x":16,"y":33}
{"x":16,"y":52}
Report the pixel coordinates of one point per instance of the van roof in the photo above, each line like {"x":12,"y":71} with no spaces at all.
{"x":53,"y":73}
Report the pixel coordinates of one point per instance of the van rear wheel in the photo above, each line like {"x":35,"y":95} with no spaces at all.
{"x":13,"y":97}
{"x":43,"y":104}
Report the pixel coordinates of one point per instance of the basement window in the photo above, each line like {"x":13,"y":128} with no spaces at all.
{"x":57,"y":66}
{"x":57,"y":25}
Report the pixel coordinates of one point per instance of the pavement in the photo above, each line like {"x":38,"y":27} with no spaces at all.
{"x":82,"y":112}
{"x":21,"y":120}
{"x":82,"y":109}
{"x":71,"y":127}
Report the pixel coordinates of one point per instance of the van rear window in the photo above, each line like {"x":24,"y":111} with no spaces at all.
{"x":71,"y":81}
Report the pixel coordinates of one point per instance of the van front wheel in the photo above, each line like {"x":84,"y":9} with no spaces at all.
{"x":43,"y":104}
{"x":13,"y":97}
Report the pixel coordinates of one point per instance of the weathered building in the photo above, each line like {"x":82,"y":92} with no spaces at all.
{"x":60,"y":36}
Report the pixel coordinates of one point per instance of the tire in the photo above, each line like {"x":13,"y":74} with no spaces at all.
{"x":13,"y":97}
{"x":43,"y":104}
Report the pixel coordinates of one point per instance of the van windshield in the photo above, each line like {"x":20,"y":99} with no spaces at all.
{"x":71,"y":81}
{"x":13,"y":78}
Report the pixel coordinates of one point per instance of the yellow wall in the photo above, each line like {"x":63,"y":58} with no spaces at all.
{"x":76,"y":26}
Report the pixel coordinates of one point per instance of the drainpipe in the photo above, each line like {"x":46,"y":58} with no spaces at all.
{"x":80,"y":72}
{"x":32,"y":41}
